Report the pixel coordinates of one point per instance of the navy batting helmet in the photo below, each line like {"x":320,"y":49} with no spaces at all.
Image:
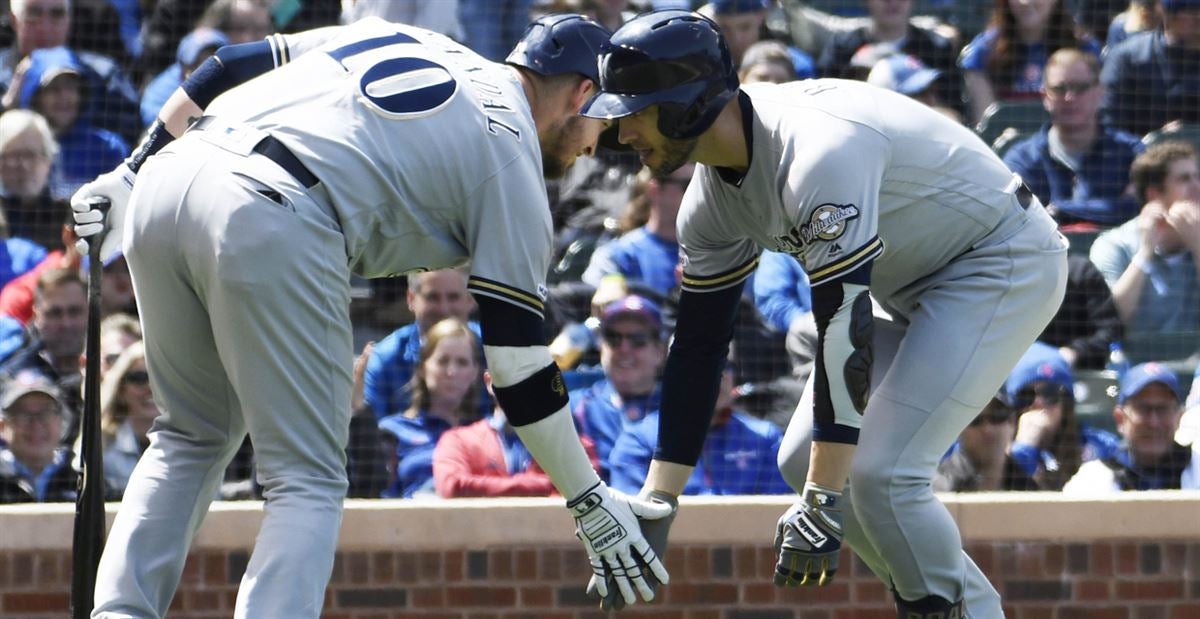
{"x":675,"y":59}
{"x":560,"y":44}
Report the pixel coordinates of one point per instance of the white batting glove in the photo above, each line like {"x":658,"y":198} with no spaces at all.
{"x":116,"y":187}
{"x":606,"y":521}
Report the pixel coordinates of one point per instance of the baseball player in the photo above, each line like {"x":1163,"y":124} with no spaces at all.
{"x":375,"y":149}
{"x":873,"y":193}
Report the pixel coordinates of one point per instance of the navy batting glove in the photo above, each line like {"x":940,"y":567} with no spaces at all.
{"x":809,"y":538}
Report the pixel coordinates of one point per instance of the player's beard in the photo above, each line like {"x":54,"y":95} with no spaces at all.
{"x":555,"y":142}
{"x":674,"y":154}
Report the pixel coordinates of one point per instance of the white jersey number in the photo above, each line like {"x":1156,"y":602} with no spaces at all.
{"x":398,"y":87}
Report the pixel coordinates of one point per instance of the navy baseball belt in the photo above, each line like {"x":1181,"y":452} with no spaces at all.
{"x":274,"y":150}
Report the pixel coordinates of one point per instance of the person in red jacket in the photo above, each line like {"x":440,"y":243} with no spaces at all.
{"x":487,"y":459}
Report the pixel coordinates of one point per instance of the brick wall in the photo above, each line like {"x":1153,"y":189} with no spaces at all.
{"x":1134,"y":577}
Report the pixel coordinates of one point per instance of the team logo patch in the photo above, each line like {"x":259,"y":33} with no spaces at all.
{"x":828,"y":222}
{"x":557,"y":385}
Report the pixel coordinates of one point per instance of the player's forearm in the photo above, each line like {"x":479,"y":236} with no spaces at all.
{"x":179,"y":113}
{"x":668,"y":477}
{"x":829,"y":464}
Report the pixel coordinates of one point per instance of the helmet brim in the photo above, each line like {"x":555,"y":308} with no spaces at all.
{"x":610,"y":105}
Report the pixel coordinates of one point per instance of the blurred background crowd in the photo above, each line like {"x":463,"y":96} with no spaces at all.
{"x":1095,"y":103}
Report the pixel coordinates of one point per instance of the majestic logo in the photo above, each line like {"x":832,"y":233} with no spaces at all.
{"x":827,"y":222}
{"x":557,"y":386}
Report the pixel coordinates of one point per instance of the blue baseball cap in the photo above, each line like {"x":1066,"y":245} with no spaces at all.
{"x":1042,"y":362}
{"x":633,"y":306}
{"x":735,"y":7}
{"x":902,"y":73}
{"x":196,"y":42}
{"x":1141,"y":376}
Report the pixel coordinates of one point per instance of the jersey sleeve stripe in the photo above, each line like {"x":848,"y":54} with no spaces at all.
{"x":487,"y":287}
{"x":279,"y":51}
{"x":857,"y":258}
{"x":721,"y":280}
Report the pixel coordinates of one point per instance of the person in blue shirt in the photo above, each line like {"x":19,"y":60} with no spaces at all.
{"x":1142,"y":15}
{"x":1153,"y":78}
{"x":650,"y":254}
{"x":1149,"y":261}
{"x":432,"y":296}
{"x":739,"y":455}
{"x":1051,"y":442}
{"x":54,"y":86}
{"x":446,"y":387}
{"x":1005,"y":62}
{"x":632,"y":352}
{"x":34,"y":467}
{"x":1078,"y":167}
{"x":193,"y":50}
{"x":784,"y":298}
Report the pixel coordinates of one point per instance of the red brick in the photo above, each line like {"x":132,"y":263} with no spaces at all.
{"x":454,"y":565}
{"x":676,"y":562}
{"x":1102,"y":559}
{"x":481,"y":615}
{"x":214,"y":570}
{"x":1126,"y":558}
{"x":427,"y":597}
{"x":525,"y":565}
{"x":1149,"y":590}
{"x":429,"y":566}
{"x":1153,"y":611}
{"x":358,"y":568}
{"x":500,"y":565}
{"x":22,"y":569}
{"x":5,"y":571}
{"x":1092,"y":590}
{"x":48,"y":571}
{"x":37,"y":602}
{"x":1174,"y":558}
{"x":984,"y":556}
{"x":1186,"y":611}
{"x":383,"y":567}
{"x":1093,"y":612}
{"x":1029,"y":560}
{"x":194,"y":600}
{"x":535,"y":596}
{"x":834,"y":593}
{"x":537,"y":615}
{"x":756,"y":593}
{"x":766,"y":563}
{"x":1035,"y":612}
{"x":550,"y":564}
{"x":480,"y":596}
{"x":192,"y":570}
{"x":869,"y":591}
{"x":703,"y":614}
{"x":699,"y":563}
{"x":743,"y":563}
{"x":864,"y":613}
{"x":1054,"y":560}
{"x":406,"y":567}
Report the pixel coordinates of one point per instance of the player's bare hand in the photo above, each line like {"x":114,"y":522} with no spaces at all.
{"x":655,"y":531}
{"x":112,"y":187}
{"x":808,"y":539}
{"x":607,"y":522}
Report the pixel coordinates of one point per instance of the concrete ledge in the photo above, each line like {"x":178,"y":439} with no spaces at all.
{"x":483,"y":523}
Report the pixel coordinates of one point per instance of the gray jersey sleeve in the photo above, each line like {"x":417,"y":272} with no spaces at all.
{"x":510,"y":236}
{"x":714,"y":253}
{"x":835,"y":186}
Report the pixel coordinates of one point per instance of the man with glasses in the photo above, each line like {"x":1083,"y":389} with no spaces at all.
{"x":1149,"y":406}
{"x":632,"y":352}
{"x":1078,"y":166}
{"x":34,"y":466}
{"x":979,"y":461}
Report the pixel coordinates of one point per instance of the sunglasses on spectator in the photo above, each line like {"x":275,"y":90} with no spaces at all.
{"x":636,"y":340}
{"x":137,"y":377}
{"x":1051,"y":395}
{"x":1075,"y":88}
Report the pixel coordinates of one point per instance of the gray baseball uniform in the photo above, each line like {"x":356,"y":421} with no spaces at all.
{"x":849,"y":178}
{"x":424,"y":155}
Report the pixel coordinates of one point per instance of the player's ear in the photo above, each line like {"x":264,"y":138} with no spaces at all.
{"x":582,"y":91}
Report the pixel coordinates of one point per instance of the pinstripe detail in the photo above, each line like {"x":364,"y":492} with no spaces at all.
{"x":721,"y":280}
{"x":856,"y":259}
{"x":487,"y":287}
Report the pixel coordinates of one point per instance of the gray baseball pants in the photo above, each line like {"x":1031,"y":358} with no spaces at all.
{"x":242,"y":284}
{"x":956,"y":337}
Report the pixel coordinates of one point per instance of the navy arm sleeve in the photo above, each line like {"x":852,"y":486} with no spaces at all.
{"x":230,"y":66}
{"x":693,"y":372}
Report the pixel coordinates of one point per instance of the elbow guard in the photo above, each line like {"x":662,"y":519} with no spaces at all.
{"x":842,"y":371}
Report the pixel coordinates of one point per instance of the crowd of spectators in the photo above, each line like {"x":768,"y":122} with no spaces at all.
{"x":1115,"y":89}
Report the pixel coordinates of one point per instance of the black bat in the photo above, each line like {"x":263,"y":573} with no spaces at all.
{"x":90,"y":528}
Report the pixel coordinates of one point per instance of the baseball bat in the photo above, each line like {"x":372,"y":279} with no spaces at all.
{"x":88,"y":539}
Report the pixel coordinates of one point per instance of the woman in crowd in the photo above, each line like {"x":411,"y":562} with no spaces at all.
{"x":1005,"y":61}
{"x":127,"y":410}
{"x":445,"y":395}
